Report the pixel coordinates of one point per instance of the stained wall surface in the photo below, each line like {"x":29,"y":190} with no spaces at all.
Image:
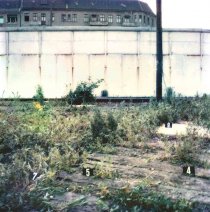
{"x":60,"y":59}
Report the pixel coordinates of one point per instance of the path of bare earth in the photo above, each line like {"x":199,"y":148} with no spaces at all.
{"x":137,"y":164}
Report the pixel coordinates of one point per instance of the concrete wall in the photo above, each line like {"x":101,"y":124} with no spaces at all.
{"x":59,"y":58}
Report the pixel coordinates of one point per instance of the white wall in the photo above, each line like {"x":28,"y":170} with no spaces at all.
{"x":58,"y":60}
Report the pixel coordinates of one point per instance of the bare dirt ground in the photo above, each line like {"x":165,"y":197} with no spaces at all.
{"x":134,"y":165}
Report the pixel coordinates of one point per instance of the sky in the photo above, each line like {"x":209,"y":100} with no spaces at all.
{"x":184,"y":13}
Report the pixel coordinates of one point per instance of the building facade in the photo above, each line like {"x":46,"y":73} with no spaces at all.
{"x":124,"y":13}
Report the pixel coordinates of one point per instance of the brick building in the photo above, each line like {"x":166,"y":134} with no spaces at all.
{"x":125,"y":13}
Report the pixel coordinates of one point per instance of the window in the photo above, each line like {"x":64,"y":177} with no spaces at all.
{"x":144,"y":19}
{"x":118,"y":19}
{"x":1,"y":19}
{"x":26,"y":17}
{"x":11,"y":18}
{"x":126,"y":19}
{"x":102,"y":18}
{"x":94,"y":17}
{"x":110,"y":18}
{"x":140,"y":18}
{"x":136,"y":18}
{"x":53,"y":17}
{"x":63,"y":17}
{"x":148,"y":22}
{"x":69,"y":17}
{"x":35,"y":17}
{"x":152,"y":22}
{"x":43,"y":17}
{"x":86,"y":18}
{"x":74,"y":17}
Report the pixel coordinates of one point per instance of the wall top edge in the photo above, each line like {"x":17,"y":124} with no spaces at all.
{"x":83,"y":28}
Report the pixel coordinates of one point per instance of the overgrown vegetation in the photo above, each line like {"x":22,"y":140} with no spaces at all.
{"x":53,"y":139}
{"x":141,"y":198}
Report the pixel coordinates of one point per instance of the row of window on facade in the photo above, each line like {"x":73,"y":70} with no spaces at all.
{"x":142,"y":19}
{"x":14,"y":18}
{"x":102,"y":18}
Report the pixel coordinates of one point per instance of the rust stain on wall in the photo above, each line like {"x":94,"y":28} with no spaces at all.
{"x":29,"y":54}
{"x":137,"y":77}
{"x":72,"y":75}
{"x":105,"y":76}
{"x":7,"y":59}
{"x":40,"y":57}
{"x":193,"y":55}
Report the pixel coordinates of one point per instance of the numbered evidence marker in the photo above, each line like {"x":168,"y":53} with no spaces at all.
{"x":34,"y":175}
{"x":88,"y":171}
{"x":189,"y":170}
{"x":168,"y":125}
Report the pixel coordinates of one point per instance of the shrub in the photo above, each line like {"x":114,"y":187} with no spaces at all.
{"x":186,"y":149}
{"x":165,"y":113}
{"x":105,"y":170}
{"x":140,"y":198}
{"x":111,"y":122}
{"x":196,"y":110}
{"x":98,"y":124}
{"x":83,"y":93}
{"x":169,"y":95}
{"x":39,"y":96}
{"x":63,"y":158}
{"x":104,"y":93}
{"x":104,"y":127}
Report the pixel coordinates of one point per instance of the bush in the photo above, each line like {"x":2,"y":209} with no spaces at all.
{"x":186,"y":149}
{"x":136,"y":124}
{"x":169,"y":95}
{"x":104,"y":127}
{"x":165,"y":113}
{"x":63,"y":158}
{"x":140,"y":198}
{"x":104,"y":93}
{"x":83,"y":93}
{"x":111,"y":122}
{"x":39,"y":96}
{"x":196,"y":110}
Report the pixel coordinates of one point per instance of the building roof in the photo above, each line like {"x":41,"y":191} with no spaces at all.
{"x":10,"y":5}
{"x":87,"y":5}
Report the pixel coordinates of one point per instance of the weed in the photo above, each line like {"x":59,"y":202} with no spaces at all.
{"x":104,"y":128}
{"x":39,"y":96}
{"x":169,"y":95}
{"x":105,"y":170}
{"x":63,"y":158}
{"x":140,"y":198}
{"x":186,"y":149}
